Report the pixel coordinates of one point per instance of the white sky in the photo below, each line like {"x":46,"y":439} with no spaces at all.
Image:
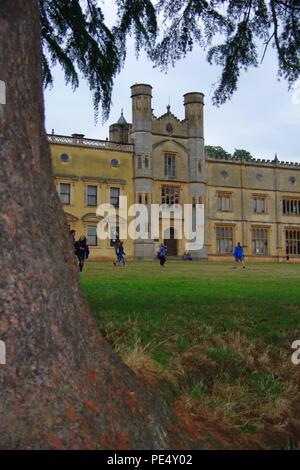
{"x":261,"y":117}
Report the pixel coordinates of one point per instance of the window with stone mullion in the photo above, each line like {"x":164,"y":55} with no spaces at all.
{"x":170,"y":166}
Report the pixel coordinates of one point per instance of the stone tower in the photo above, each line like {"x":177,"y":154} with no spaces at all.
{"x":141,"y":95}
{"x":120,"y":131}
{"x":194,"y":105}
{"x":155,"y":139}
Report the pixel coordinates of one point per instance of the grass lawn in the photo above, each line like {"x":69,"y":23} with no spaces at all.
{"x":214,"y":341}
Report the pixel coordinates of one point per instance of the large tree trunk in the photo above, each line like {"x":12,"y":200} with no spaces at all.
{"x":62,"y":386}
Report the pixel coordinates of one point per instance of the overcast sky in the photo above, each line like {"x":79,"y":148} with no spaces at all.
{"x":261,"y":117}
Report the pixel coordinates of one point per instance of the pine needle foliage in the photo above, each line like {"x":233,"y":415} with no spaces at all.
{"x":235,"y":33}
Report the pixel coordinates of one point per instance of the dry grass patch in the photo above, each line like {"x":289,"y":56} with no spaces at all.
{"x":139,"y":360}
{"x":214,"y":342}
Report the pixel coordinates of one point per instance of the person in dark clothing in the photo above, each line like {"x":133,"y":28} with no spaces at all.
{"x":121,"y":254}
{"x":73,"y":239}
{"x":117,"y":248}
{"x":72,"y":235}
{"x":187,"y":256}
{"x":82,"y":251}
{"x":162,"y":254}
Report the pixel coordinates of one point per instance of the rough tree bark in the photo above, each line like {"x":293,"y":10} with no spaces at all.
{"x":62,"y":386}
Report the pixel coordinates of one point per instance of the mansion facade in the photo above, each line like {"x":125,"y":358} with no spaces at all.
{"x":163,"y":160}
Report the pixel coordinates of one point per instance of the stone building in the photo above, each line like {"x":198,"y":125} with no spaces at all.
{"x":163,"y":160}
{"x":89,"y":172}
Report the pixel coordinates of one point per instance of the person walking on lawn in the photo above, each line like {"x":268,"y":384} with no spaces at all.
{"x":82,"y":251}
{"x":117,"y":248}
{"x":121,"y":254}
{"x":162,"y":254}
{"x":239,"y":255}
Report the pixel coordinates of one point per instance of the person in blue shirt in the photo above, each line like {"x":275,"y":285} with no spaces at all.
{"x":162,"y":254}
{"x":239,"y":255}
{"x":187,"y":256}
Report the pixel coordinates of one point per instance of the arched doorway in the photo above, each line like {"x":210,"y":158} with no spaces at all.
{"x":171,"y":242}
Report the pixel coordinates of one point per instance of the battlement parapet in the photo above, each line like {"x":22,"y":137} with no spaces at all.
{"x":79,"y":141}
{"x":252,"y":161}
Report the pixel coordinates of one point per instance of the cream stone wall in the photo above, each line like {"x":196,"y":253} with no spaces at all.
{"x":245,"y":180}
{"x":92,"y":166}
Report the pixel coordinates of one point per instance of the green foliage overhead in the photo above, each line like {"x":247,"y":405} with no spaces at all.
{"x":75,"y":35}
{"x":240,"y":28}
{"x":233,"y":32}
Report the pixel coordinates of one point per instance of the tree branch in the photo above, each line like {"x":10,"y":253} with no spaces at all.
{"x":266,"y":47}
{"x":276,"y":38}
{"x":287,"y":5}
